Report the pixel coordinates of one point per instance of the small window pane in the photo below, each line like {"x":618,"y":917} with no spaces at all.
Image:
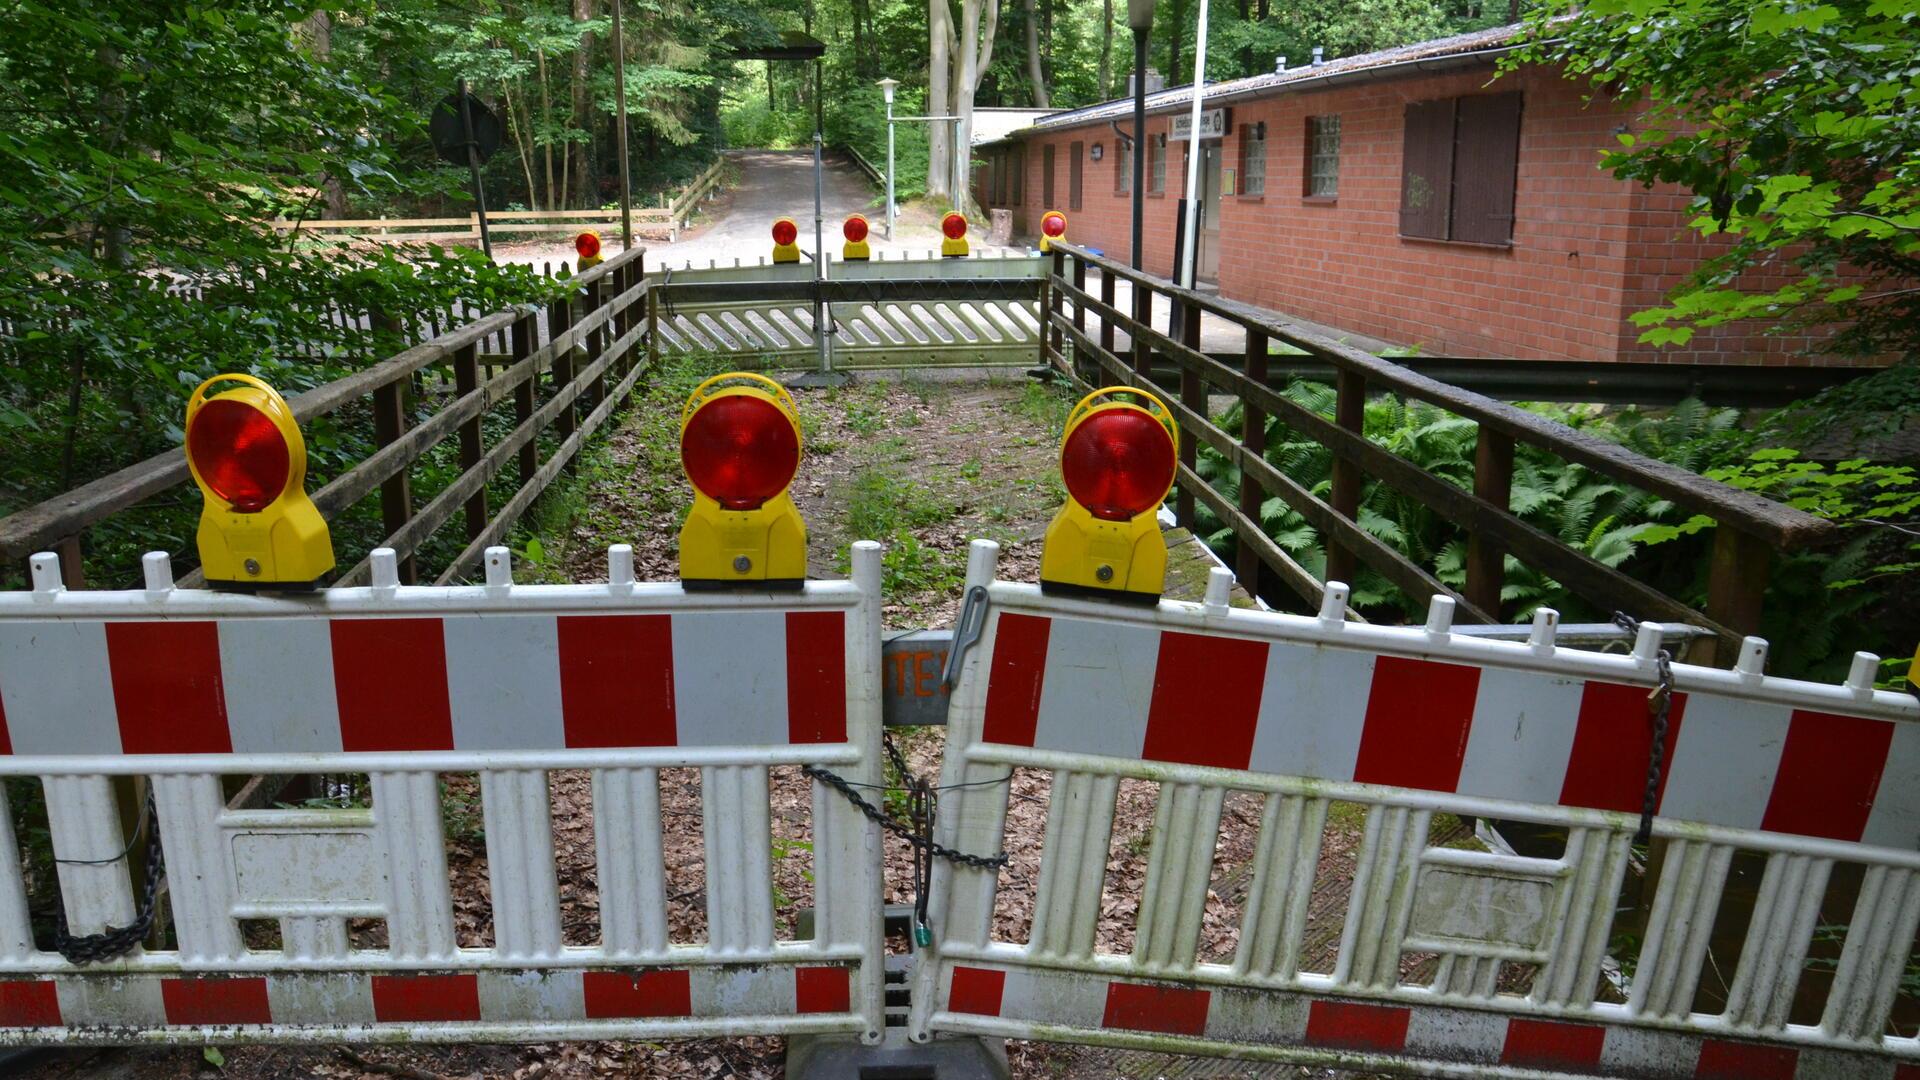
{"x":1157,"y":163}
{"x":1253,"y":160}
{"x":1123,"y":167}
{"x":1323,"y":157}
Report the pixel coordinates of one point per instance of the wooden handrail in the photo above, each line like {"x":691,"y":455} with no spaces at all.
{"x":57,"y":520}
{"x":1780,"y":526}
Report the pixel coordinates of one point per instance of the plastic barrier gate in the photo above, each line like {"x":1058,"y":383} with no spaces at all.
{"x":1412,"y":724}
{"x":184,"y":687}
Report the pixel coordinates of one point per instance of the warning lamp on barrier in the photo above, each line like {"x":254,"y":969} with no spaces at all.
{"x":740,"y":446}
{"x":258,"y":529}
{"x":855,"y":230}
{"x":1053,"y":226}
{"x":587,"y":244}
{"x":1117,"y":460}
{"x":786,"y":249}
{"x":953,"y":229}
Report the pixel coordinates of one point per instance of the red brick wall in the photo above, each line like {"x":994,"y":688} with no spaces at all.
{"x":1587,"y":249}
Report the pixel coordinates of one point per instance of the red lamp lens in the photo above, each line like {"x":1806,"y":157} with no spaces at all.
{"x":784,"y":232}
{"x":1053,"y":225}
{"x":587,"y":244}
{"x":855,"y":229}
{"x":1118,"y":463}
{"x":740,"y":450}
{"x":954,"y":226}
{"x":240,"y":453}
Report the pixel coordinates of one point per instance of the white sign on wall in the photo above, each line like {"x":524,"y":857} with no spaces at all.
{"x":1213,"y":125}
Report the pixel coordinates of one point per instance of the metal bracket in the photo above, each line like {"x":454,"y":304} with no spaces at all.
{"x":966,"y":632}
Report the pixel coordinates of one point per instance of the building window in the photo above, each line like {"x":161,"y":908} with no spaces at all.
{"x":1253,"y":159}
{"x":1459,"y":161}
{"x":1076,"y":169}
{"x":1046,"y":176}
{"x":1323,"y":157}
{"x":1157,"y":163}
{"x":1123,"y":167}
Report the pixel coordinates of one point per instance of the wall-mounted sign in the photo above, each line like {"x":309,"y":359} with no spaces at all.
{"x":1098,"y":152}
{"x":1213,"y":124}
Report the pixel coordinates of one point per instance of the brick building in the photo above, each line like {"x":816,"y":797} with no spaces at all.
{"x":1409,"y":195}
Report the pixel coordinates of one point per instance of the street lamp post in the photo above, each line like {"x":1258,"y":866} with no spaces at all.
{"x":1140,"y":18}
{"x":887,"y":87}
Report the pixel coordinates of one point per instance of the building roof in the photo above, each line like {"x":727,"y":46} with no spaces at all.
{"x":994,"y":124}
{"x":1460,"y":50}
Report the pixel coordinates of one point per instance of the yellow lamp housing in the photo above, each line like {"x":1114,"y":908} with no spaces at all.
{"x":953,"y":232}
{"x":855,"y":231}
{"x":1117,"y":457}
{"x":1053,"y":226}
{"x":786,"y":241}
{"x":258,"y":529}
{"x":587,"y":246}
{"x":740,"y":447}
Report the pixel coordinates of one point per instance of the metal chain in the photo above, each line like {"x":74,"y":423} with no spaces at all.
{"x":116,"y":940}
{"x":1659,"y":703}
{"x":895,"y":826}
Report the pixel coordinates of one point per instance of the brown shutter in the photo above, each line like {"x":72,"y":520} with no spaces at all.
{"x":1074,"y":170}
{"x":1046,"y":176}
{"x":1485,"y":158}
{"x":1426,"y":169}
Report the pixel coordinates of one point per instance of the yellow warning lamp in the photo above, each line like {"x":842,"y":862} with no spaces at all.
{"x":740,"y":446}
{"x":855,"y":230}
{"x":587,"y":244}
{"x":785,"y":237}
{"x":1117,"y":460}
{"x":258,"y":529}
{"x":1053,"y":226}
{"x":953,"y":228}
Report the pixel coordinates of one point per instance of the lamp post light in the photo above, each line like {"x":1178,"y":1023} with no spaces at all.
{"x":887,"y":87}
{"x":1140,"y":18}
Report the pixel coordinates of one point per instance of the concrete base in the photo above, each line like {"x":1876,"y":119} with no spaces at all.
{"x":815,"y":380}
{"x":843,"y":1057}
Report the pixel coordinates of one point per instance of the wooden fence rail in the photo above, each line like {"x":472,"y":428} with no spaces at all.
{"x":1750,"y":528}
{"x":600,"y":319}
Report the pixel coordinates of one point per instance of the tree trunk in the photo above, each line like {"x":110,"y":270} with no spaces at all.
{"x":317,"y":29}
{"x":978,"y":23}
{"x":1106,"y":49}
{"x":546,"y":119}
{"x":1246,"y":52}
{"x":939,"y":96}
{"x":1176,"y":26}
{"x":581,"y":154}
{"x":522,"y":142}
{"x":1036,"y":74}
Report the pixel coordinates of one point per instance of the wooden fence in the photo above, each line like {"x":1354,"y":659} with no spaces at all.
{"x":1750,"y":527}
{"x":671,"y":216}
{"x":565,"y":370}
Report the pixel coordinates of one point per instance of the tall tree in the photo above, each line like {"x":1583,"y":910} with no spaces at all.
{"x":581,"y":138}
{"x":1036,"y":72}
{"x":940,"y":143}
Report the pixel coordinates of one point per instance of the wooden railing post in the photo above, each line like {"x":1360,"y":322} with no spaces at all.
{"x":466,"y":379}
{"x":1106,"y":324}
{"x":1194,"y":396}
{"x":1142,"y":314}
{"x":1053,"y":270}
{"x":1486,"y":557}
{"x":525,"y":330}
{"x":1253,"y":438}
{"x":396,"y":492}
{"x":73,"y":570}
{"x":559,"y":321}
{"x":596,"y":340}
{"x":1736,"y":586}
{"x":653,"y":327}
{"x":1080,"y":318}
{"x":1350,"y":412}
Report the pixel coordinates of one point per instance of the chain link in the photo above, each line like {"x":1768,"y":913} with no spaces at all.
{"x":116,"y":940}
{"x":1659,"y":703}
{"x":894,"y":825}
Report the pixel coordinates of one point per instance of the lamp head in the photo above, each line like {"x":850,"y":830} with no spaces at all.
{"x":887,"y":87}
{"x":1140,"y":14}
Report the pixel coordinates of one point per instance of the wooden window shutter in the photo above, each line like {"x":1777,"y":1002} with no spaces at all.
{"x":1046,"y":175}
{"x":1426,"y":169}
{"x":1074,"y":170}
{"x":1485,"y":163}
